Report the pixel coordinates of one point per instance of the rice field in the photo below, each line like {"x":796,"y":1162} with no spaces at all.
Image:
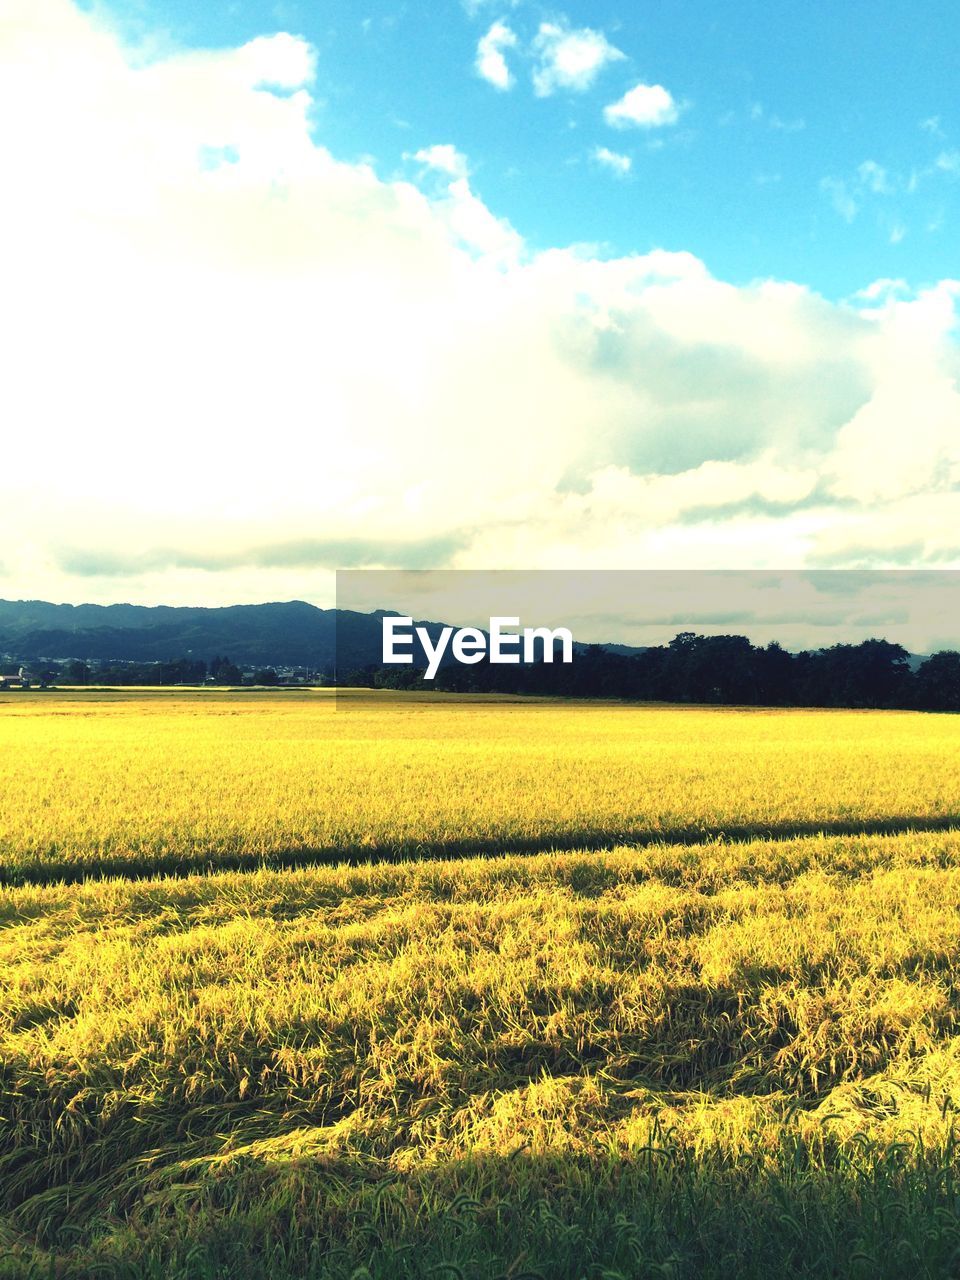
{"x":400,"y":987}
{"x":126,"y":784}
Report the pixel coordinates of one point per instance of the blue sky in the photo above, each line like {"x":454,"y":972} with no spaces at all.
{"x":817,"y":142}
{"x":298,"y":287}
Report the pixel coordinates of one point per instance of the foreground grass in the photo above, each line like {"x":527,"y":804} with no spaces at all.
{"x":108,"y":783}
{"x":714,"y":1060}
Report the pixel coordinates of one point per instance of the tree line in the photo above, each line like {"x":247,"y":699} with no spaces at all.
{"x":186,"y":670}
{"x":726,"y":670}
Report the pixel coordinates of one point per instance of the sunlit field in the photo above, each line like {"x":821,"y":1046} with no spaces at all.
{"x":135,"y":784}
{"x":692,"y":1012}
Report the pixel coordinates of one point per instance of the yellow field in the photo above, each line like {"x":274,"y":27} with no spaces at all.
{"x":692,"y":1057}
{"x":172,"y":780}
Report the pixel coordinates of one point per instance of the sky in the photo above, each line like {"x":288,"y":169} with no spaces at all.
{"x":292,"y":287}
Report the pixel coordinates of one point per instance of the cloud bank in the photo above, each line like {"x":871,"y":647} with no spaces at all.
{"x":232,"y":357}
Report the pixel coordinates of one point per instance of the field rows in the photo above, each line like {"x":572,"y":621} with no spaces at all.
{"x":225,"y":1044}
{"x":696,"y":1059}
{"x":137,"y":785}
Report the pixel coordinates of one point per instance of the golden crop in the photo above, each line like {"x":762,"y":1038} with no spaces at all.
{"x":106,"y":781}
{"x":656,"y":1049}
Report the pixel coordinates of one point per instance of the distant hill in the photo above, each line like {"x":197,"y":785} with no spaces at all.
{"x":291,"y":634}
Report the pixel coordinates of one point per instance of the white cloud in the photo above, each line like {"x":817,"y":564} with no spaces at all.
{"x":613,"y":160}
{"x":467,"y":219}
{"x":840,"y":197}
{"x":218,"y":367}
{"x":283,"y":61}
{"x":569,"y":58}
{"x":884,"y":289}
{"x":646,"y":106}
{"x":444,"y":158}
{"x":904,"y":438}
{"x":475,"y":7}
{"x":476,"y":228}
{"x":777,"y":124}
{"x":874,"y":177}
{"x":871,"y":179}
{"x":491,"y":63}
{"x":904,"y":441}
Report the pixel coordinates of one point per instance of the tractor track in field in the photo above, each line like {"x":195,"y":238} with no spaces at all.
{"x":581,"y":841}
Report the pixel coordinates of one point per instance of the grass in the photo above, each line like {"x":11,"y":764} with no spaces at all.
{"x":688,"y":1058}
